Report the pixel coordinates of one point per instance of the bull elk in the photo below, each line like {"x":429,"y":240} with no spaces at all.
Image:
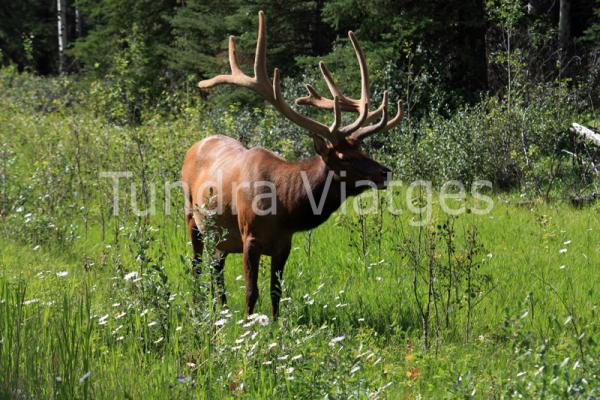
{"x":334,"y":173}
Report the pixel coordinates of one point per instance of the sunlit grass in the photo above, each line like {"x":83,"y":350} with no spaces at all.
{"x":343,"y":329}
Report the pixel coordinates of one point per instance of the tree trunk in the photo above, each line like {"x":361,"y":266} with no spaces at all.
{"x":61,"y":13}
{"x":564,"y":29}
{"x":78,"y":23}
{"x":586,"y":133}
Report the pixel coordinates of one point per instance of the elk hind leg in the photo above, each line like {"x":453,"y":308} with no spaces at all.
{"x":197,"y":244}
{"x":251,"y":258}
{"x":278,"y":261}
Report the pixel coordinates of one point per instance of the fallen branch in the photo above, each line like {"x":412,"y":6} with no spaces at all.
{"x":586,"y":133}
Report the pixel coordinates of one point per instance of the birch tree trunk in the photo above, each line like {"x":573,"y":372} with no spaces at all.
{"x":61,"y":14}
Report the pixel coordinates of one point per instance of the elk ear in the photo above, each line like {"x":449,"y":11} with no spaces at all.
{"x":322,"y":146}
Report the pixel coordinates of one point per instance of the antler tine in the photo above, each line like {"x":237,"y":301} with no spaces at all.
{"x":383,"y":124}
{"x":397,"y":118}
{"x":233,"y":62}
{"x":363,"y":106}
{"x":260,"y":59}
{"x":333,"y":89}
{"x":313,"y":127}
{"x":314,"y":98}
{"x":236,"y":77}
{"x":337,"y":115}
{"x":370,"y":129}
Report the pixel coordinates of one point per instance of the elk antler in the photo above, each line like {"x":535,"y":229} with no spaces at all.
{"x":271,"y":92}
{"x":365,"y":129}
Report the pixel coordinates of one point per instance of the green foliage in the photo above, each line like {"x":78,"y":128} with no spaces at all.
{"x":592,"y":34}
{"x":412,"y":32}
{"x":198,"y":35}
{"x":112,"y":22}
{"x":28,"y":35}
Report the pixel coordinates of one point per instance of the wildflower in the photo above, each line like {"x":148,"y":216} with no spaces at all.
{"x":520,"y":374}
{"x":539,"y":371}
{"x":336,"y":340}
{"x":260,"y":318}
{"x":103,"y":320}
{"x":151,"y":324}
{"x":31,"y":301}
{"x":120,"y":315}
{"x":272,"y":345}
{"x":296,"y":358}
{"x":289,"y":370}
{"x":131,"y":275}
{"x":160,"y":339}
{"x":62,"y":274}
{"x":562,"y":251}
{"x":221,"y":322}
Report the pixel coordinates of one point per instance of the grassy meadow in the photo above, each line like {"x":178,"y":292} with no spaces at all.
{"x":94,"y":305}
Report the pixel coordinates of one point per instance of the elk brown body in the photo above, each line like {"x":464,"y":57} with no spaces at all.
{"x":257,"y":199}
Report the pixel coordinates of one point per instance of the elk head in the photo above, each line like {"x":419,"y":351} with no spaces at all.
{"x":338,"y":145}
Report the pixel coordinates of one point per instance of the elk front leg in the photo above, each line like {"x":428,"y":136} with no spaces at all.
{"x":251,"y":263}
{"x":278,"y":261}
